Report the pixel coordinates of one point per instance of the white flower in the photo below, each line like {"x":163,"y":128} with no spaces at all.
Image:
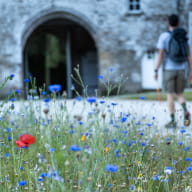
{"x":168,"y":170}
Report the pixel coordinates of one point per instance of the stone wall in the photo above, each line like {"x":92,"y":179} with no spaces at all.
{"x":122,"y":38}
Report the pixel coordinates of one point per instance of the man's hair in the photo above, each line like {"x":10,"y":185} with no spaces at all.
{"x":173,"y":20}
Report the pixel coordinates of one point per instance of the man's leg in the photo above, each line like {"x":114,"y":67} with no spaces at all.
{"x":182,"y":101}
{"x":169,"y":84}
{"x":171,"y":106}
{"x":180,"y":85}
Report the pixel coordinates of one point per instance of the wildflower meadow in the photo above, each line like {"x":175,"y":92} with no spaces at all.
{"x":89,"y":146}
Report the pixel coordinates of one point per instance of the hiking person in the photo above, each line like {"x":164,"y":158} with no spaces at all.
{"x":174,"y":54}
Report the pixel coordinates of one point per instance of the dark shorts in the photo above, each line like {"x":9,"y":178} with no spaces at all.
{"x":174,"y":81}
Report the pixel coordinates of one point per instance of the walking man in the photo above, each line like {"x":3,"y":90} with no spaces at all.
{"x":174,"y":54}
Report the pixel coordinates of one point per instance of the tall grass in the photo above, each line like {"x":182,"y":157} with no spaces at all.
{"x":87,"y":145}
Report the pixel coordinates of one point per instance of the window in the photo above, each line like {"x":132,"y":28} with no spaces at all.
{"x":134,"y":5}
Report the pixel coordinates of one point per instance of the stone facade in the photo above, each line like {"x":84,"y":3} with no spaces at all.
{"x":122,"y":37}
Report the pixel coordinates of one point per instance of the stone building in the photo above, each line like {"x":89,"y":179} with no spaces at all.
{"x":116,"y":39}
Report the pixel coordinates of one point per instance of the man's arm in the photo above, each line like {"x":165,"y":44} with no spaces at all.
{"x":159,"y":62}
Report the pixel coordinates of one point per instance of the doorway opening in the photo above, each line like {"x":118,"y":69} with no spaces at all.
{"x":54,"y":49}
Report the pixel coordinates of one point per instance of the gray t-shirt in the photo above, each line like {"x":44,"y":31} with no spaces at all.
{"x":163,"y":43}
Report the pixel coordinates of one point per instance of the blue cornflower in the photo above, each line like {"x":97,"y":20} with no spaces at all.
{"x":180,"y":143}
{"x":123,"y":119}
{"x":168,"y":170}
{"x":114,"y":140}
{"x":138,"y":123}
{"x":12,"y":99}
{"x":26,"y":80}
{"x":61,"y":179}
{"x":113,"y":104}
{"x":7,"y":154}
{"x":18,"y":91}
{"x":54,"y":88}
{"x":183,"y":131}
{"x":91,"y":99}
{"x":118,"y":153}
{"x":188,"y":159}
{"x":100,"y":76}
{"x":111,"y":168}
{"x":40,"y":179}
{"x":132,"y":188}
{"x":187,"y":149}
{"x":22,"y":183}
{"x":189,"y":168}
{"x":182,"y":172}
{"x":142,"y":98}
{"x":111,"y":69}
{"x":143,"y":144}
{"x":51,"y":149}
{"x":155,"y":177}
{"x":116,"y":125}
{"x":11,"y":76}
{"x":102,"y":102}
{"x":75,"y":148}
{"x":174,"y":162}
{"x":8,"y":130}
{"x":71,"y":131}
{"x":78,"y":98}
{"x":141,"y":134}
{"x":122,"y":142}
{"x":46,"y":100}
{"x":131,"y":142}
{"x":43,"y":93}
{"x":43,"y":175}
{"x":165,"y":180}
{"x":25,"y":147}
{"x":9,"y":138}
{"x":124,"y":131}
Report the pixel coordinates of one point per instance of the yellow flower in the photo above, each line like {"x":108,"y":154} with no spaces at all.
{"x":83,"y":137}
{"x":140,"y":175}
{"x":106,"y":149}
{"x":157,"y":135}
{"x":139,"y":162}
{"x":81,"y":172}
{"x":139,"y":189}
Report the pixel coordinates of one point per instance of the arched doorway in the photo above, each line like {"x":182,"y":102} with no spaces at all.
{"x":52,"y":51}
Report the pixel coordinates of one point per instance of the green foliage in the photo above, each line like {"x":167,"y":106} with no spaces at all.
{"x":77,"y":139}
{"x":154,"y":96}
{"x":104,"y":137}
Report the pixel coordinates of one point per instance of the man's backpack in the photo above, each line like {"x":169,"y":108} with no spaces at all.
{"x":178,"y":47}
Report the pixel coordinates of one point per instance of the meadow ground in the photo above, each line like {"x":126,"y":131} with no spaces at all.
{"x":93,"y":145}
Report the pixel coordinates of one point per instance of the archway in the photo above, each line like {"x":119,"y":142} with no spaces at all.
{"x":54,"y":48}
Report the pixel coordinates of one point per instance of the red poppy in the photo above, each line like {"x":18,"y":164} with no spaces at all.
{"x":21,"y":144}
{"x":27,"y":139}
